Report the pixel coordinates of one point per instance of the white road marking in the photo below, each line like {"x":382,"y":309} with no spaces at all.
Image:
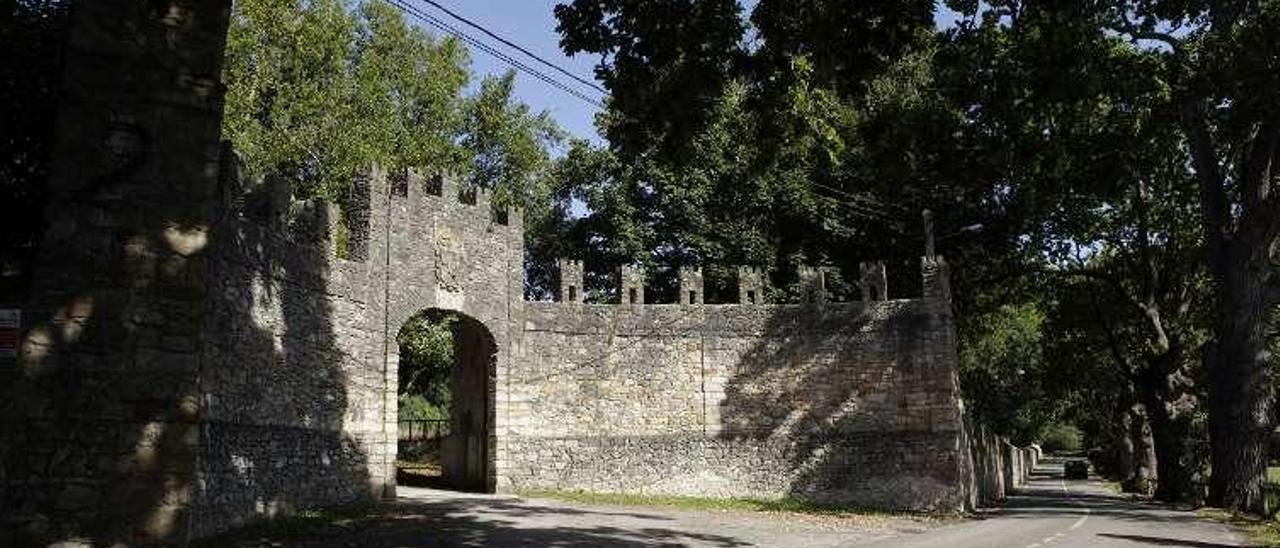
{"x":1080,"y":521}
{"x":1034,"y":545}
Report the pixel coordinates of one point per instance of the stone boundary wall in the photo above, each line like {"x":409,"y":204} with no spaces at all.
{"x":100,"y":411}
{"x":998,"y":467}
{"x":851,"y":403}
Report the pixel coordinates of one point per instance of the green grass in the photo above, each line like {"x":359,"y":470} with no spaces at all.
{"x":786,"y":505}
{"x":1262,"y":532}
{"x":302,"y":523}
{"x":1273,"y":474}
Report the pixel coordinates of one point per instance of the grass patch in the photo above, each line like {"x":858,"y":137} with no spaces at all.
{"x":1273,"y":474}
{"x":1261,"y":531}
{"x":304,"y":523}
{"x":786,"y":505}
{"x":1114,"y":486}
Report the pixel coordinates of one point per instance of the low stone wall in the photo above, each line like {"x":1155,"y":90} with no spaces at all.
{"x":987,"y":456}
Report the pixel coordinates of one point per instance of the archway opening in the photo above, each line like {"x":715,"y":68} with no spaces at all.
{"x":446,"y":367}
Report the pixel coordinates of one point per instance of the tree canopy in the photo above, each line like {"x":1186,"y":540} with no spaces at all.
{"x":1101,"y":172}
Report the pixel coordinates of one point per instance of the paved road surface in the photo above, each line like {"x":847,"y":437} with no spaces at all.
{"x":1049,"y":513}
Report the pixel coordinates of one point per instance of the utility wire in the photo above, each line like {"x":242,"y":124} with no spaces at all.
{"x":865,"y":199}
{"x":448,"y":29}
{"x":517,"y":47}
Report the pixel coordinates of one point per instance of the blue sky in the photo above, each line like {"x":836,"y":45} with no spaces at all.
{"x":531,"y":24}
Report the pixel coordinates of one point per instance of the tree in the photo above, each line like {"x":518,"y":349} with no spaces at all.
{"x":427,"y":352}
{"x":665,"y":63}
{"x":318,"y":92}
{"x":1221,"y":63}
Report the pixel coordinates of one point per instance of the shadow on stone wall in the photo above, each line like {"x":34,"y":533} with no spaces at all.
{"x":858,"y":398}
{"x":275,"y":383}
{"x":181,"y":369}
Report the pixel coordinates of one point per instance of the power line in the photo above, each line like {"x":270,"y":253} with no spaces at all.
{"x":517,"y":47}
{"x":862,"y":198}
{"x":860,"y":211}
{"x":448,"y":29}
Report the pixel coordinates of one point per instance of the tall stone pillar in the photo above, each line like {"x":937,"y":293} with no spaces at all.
{"x":99,"y":414}
{"x":571,"y":281}
{"x":691,"y":282}
{"x":750,"y":285}
{"x":631,"y":285}
{"x":936,"y":278}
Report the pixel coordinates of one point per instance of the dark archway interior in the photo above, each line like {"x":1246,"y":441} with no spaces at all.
{"x":448,"y":358}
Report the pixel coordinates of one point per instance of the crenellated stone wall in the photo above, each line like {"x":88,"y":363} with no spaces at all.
{"x":852,"y":403}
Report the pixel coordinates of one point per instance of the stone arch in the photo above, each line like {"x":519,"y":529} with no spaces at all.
{"x":467,"y":453}
{"x":432,"y":251}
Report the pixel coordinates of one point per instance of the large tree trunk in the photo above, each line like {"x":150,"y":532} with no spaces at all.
{"x":1241,"y":395}
{"x":1125,"y":460}
{"x":1169,"y":428}
{"x":1143,"y":477}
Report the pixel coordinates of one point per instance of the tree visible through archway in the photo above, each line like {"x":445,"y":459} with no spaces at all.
{"x":445,"y":365}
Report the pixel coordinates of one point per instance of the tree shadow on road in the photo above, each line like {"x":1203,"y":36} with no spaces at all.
{"x":470,"y":523}
{"x":1161,"y":541}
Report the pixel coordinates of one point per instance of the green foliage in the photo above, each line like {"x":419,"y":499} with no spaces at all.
{"x":427,"y":354}
{"x":667,"y":62}
{"x":1001,"y":368}
{"x":417,"y":407}
{"x":318,"y":91}
{"x":1061,"y":438}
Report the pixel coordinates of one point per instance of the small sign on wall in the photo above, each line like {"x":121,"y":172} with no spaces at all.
{"x":10,"y":322}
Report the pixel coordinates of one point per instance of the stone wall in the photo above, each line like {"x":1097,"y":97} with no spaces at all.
{"x":852,"y":403}
{"x":99,"y":414}
{"x":292,"y":385}
{"x":299,"y":383}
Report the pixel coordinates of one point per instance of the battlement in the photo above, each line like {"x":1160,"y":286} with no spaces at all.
{"x":420,"y":192}
{"x":873,"y":283}
{"x":631,"y":284}
{"x":690,"y":285}
{"x":750,"y":285}
{"x":571,"y":289}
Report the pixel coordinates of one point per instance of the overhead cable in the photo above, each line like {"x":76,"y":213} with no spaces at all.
{"x":478,"y":44}
{"x":515,"y":46}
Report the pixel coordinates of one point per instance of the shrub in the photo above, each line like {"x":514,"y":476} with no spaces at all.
{"x":1061,"y":438}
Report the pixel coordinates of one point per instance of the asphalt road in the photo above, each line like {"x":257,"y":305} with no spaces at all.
{"x":1052,"y":512}
{"x":1048,"y":513}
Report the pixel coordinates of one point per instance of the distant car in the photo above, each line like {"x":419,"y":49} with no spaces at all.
{"x":1076,"y":469}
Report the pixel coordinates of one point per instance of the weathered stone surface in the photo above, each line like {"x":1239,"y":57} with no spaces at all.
{"x":852,"y":403}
